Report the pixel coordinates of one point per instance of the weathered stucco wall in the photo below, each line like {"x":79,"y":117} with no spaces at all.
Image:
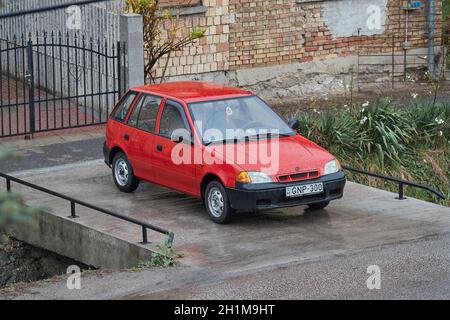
{"x":283,"y":48}
{"x":345,"y":17}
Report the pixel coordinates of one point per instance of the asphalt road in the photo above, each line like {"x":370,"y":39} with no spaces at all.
{"x":416,"y":269}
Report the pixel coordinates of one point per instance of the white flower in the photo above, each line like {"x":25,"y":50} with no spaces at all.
{"x":365,"y":104}
{"x":363,"y":120}
{"x":440,"y":133}
{"x":439,"y":121}
{"x":414,"y":95}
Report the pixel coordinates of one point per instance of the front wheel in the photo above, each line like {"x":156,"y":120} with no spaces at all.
{"x":123,"y":174}
{"x":319,"y":205}
{"x":217,"y":203}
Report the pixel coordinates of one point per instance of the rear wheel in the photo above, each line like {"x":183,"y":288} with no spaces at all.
{"x":217,"y":203}
{"x":123,"y":174}
{"x":319,"y":205}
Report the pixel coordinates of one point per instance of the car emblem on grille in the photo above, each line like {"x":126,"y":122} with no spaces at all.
{"x":297,"y":169}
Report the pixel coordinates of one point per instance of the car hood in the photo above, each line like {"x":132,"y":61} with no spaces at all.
{"x":286,"y":155}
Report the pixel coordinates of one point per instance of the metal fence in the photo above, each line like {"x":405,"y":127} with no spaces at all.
{"x":75,"y":202}
{"x":54,"y":81}
{"x":101,"y":19}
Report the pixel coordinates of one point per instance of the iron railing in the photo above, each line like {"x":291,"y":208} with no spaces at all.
{"x":401,"y":183}
{"x":73,"y":202}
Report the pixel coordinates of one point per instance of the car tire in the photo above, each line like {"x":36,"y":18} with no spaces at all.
{"x":123,"y":174}
{"x":319,"y":205}
{"x":217,"y":203}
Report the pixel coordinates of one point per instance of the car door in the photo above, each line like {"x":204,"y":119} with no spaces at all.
{"x":142,"y":120}
{"x":173,"y":160}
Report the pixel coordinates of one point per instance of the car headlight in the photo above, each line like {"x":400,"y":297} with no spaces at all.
{"x":331,"y":167}
{"x":253,"y":177}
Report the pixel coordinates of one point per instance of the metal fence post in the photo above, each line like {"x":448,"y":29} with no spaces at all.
{"x":170,"y":239}
{"x":73,"y":214}
{"x":8,"y":185}
{"x":400,"y":191}
{"x":144,"y":235}
{"x":119,"y":70}
{"x":30,"y":82}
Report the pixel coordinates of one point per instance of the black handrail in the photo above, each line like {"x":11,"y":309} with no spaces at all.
{"x":400,"y":182}
{"x":74,"y":202}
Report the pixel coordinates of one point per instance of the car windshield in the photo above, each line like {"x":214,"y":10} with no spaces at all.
{"x":231,"y":120}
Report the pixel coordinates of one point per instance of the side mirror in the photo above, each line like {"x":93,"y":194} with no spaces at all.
{"x":294,"y":124}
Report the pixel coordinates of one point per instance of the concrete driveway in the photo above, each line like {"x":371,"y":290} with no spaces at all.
{"x":364,"y":218}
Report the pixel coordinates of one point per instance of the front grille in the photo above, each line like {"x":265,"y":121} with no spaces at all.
{"x":299,"y":176}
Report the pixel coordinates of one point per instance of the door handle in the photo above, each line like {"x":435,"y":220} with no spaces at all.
{"x":159,"y":147}
{"x":126,"y":137}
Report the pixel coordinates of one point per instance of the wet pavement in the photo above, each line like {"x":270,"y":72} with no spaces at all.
{"x":364,"y":218}
{"x":54,"y":155}
{"x":287,"y":253}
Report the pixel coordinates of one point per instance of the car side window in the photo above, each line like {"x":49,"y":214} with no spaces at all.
{"x":145,"y":113}
{"x":121,"y":110}
{"x":172,"y":119}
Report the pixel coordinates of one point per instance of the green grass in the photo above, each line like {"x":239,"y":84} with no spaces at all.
{"x":410,"y":142}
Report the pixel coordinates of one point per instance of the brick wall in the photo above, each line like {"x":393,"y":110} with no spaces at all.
{"x":245,"y":34}
{"x":276,"y":32}
{"x":209,"y":54}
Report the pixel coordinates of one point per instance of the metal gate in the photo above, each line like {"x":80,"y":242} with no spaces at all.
{"x":54,"y":81}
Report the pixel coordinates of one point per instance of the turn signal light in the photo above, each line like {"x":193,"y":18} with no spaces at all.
{"x":339,"y":164}
{"x":243,"y":177}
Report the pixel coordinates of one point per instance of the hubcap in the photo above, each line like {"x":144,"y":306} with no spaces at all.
{"x":121,"y":172}
{"x":215,"y":202}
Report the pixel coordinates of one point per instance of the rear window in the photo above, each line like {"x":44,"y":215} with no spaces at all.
{"x":121,"y":110}
{"x":145,"y":113}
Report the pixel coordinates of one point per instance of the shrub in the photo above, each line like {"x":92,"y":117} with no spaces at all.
{"x":410,"y":142}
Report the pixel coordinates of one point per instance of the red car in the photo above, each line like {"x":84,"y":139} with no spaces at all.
{"x":223,"y":145}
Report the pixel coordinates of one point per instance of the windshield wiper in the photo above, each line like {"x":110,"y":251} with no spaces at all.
{"x":267,"y":135}
{"x":248,"y":138}
{"x":224,"y":141}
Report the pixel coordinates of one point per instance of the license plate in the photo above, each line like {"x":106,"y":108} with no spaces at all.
{"x":302,"y":190}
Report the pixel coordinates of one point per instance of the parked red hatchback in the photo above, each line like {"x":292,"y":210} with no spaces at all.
{"x":223,"y":145}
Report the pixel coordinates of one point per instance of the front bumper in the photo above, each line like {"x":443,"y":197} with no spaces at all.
{"x":254,"y":197}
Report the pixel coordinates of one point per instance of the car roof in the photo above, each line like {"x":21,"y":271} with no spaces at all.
{"x":193,"y":91}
